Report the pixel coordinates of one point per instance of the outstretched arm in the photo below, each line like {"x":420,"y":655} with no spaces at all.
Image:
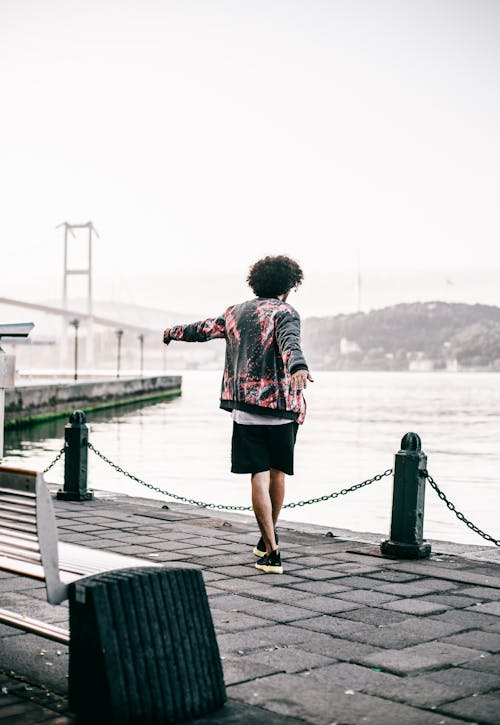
{"x":288,"y":338}
{"x":210,"y":329}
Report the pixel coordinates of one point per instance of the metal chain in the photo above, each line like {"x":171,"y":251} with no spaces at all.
{"x":342,"y":492}
{"x":57,"y":458}
{"x":460,"y":516}
{"x":203,"y":504}
{"x":183,"y":499}
{"x":219,"y":507}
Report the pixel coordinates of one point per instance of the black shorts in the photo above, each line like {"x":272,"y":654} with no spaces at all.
{"x":257,"y":448}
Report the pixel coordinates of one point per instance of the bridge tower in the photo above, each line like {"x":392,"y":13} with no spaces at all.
{"x":87,"y":271}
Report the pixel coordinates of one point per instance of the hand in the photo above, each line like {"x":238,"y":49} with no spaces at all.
{"x":300,"y":378}
{"x":166,"y":336}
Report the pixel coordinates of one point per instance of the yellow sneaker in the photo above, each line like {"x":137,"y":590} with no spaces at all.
{"x":260,"y":549}
{"x":270,"y":563}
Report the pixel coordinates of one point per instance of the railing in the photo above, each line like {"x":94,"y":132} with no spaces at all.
{"x":409,"y":474}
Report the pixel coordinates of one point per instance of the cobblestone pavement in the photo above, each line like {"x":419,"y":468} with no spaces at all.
{"x":343,"y":636}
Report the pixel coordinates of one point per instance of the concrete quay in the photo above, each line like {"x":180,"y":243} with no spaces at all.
{"x":28,"y":404}
{"x":343,"y":636}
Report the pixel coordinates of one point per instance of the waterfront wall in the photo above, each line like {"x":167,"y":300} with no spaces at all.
{"x":33,"y":403}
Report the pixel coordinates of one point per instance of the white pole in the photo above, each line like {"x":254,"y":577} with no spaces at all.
{"x":90,"y":325}
{"x":7,"y":373}
{"x":63,"y":349}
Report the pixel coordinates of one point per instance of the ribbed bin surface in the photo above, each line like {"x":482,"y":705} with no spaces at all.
{"x":143,"y":648}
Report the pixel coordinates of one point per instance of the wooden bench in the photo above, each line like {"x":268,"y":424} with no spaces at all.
{"x":142,"y":647}
{"x":29,"y":547}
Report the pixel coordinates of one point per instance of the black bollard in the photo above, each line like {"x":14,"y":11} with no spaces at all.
{"x":407,"y":522}
{"x":75,"y":460}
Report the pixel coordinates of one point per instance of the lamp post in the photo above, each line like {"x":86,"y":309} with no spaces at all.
{"x":119,"y":334}
{"x":74,"y":322}
{"x":141,"y":343}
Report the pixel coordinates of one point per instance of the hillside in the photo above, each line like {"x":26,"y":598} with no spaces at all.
{"x":415,"y":336}
{"x":420,"y":335}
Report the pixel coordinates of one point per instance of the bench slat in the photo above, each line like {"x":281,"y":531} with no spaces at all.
{"x":19,"y":543}
{"x":13,"y":552}
{"x":76,"y":559}
{"x":15,"y":509}
{"x":18,"y":534}
{"x":11,"y":488}
{"x":29,"y":529}
{"x":34,"y":571}
{"x":7,"y":516}
{"x":35,"y":626}
{"x":19,"y":500}
{"x":76,"y":562}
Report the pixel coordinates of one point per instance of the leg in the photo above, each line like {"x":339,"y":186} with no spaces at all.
{"x":277,"y":492}
{"x":263,"y":508}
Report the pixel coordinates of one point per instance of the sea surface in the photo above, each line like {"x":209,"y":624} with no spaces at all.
{"x":353,"y":428}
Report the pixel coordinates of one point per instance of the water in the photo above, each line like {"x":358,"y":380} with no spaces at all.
{"x":354,"y":426}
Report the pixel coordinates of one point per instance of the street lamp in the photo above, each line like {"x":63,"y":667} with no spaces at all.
{"x":141,"y":342}
{"x":119,"y":334}
{"x":74,"y":322}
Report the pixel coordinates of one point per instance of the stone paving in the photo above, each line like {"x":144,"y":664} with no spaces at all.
{"x":343,"y":636}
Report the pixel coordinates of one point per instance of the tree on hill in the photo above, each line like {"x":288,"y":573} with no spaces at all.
{"x":478,"y":345}
{"x":388,"y":338}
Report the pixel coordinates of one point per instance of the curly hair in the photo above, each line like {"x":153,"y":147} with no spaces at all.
{"x":273,"y":276}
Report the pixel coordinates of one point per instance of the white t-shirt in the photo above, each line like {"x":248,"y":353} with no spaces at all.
{"x":243,"y":418}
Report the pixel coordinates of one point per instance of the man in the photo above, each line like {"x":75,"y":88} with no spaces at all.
{"x":264,"y":375}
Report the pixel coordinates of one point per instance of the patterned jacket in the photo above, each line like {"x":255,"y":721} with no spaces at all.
{"x":262,"y":352}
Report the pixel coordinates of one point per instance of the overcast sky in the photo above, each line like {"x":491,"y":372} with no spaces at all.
{"x":201,"y":135}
